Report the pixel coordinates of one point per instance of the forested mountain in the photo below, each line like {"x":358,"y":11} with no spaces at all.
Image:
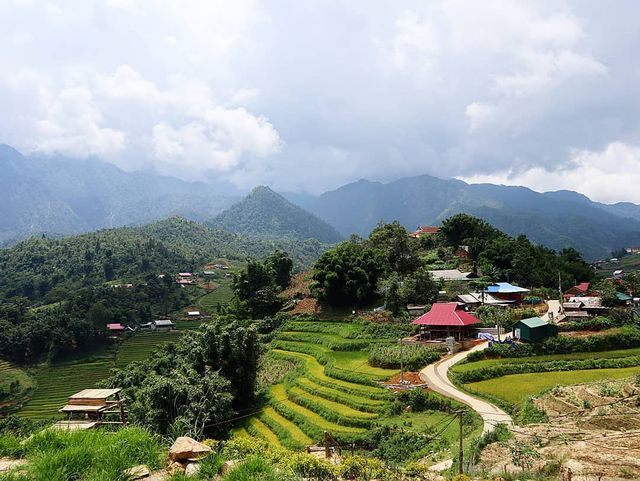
{"x":266,"y":213}
{"x":61,"y":196}
{"x":43,"y":268}
{"x":556,"y":219}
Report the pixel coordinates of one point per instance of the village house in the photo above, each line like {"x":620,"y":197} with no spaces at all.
{"x":591,"y":305}
{"x":416,"y":310}
{"x":533,"y":329}
{"x":424,"y":230}
{"x":578,"y":290}
{"x":452,"y":275}
{"x":507,"y":292}
{"x":462,"y":253}
{"x":473,"y":300}
{"x":92,"y":407}
{"x":161,"y":324}
{"x":115,"y":328}
{"x":193,"y":314}
{"x":632,"y":250}
{"x":446,"y":320}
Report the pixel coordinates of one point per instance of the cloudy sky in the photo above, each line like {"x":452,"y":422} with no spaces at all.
{"x":310,"y":95}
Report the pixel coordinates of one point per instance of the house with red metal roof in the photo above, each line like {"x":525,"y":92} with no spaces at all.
{"x":446,"y":319}
{"x":424,"y":230}
{"x":578,"y":290}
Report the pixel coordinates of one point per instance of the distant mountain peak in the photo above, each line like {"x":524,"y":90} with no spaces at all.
{"x":265,"y":212}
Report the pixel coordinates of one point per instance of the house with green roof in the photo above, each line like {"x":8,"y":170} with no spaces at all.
{"x":533,"y":329}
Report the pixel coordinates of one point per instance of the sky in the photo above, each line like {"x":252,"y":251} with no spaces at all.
{"x":307,"y":96}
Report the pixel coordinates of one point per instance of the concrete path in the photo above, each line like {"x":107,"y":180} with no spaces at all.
{"x":435,"y":375}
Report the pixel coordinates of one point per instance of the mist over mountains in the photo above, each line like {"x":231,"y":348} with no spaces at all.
{"x":60,"y":196}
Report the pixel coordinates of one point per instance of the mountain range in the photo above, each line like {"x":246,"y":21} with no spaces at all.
{"x":61,"y":196}
{"x":265,"y":213}
{"x":554,"y":219}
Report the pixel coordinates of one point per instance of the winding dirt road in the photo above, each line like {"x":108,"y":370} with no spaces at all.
{"x":435,"y":375}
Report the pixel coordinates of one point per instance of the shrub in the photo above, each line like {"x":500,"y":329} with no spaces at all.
{"x":10,"y":446}
{"x":253,"y":468}
{"x":420,"y":400}
{"x":414,"y":356}
{"x":308,"y":466}
{"x":362,"y":468}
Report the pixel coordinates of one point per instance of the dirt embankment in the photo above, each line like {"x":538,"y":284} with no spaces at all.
{"x":593,"y":430}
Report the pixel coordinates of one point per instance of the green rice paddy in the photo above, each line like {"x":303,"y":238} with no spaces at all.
{"x":517,"y":388}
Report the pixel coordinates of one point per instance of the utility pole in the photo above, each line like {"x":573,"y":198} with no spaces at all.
{"x":327,"y":453}
{"x":401,"y":364}
{"x":461,"y":464}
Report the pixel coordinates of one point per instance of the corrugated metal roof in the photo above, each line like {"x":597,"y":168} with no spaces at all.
{"x":446,"y":314}
{"x":533,"y":322}
{"x":505,"y":288}
{"x":450,"y":275}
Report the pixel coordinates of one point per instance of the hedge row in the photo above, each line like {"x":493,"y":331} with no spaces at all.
{"x":499,"y":370}
{"x":414,"y":356}
{"x":324,"y":340}
{"x":626,"y":338}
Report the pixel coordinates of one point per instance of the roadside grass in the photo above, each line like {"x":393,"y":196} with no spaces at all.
{"x":517,"y":388}
{"x":55,"y":383}
{"x":615,"y":354}
{"x":57,"y":455}
{"x":417,"y":422}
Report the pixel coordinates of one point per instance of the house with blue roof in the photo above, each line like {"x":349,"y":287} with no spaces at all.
{"x":507,"y":292}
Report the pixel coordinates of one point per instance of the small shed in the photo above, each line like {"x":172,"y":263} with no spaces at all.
{"x":534,"y":329}
{"x":164,"y":324}
{"x":92,"y":407}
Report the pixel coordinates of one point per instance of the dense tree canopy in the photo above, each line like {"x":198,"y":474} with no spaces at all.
{"x":192,"y":386}
{"x":349,"y":274}
{"x":78,"y":323}
{"x":258,"y":285}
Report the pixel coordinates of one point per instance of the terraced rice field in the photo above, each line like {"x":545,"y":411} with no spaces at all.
{"x":57,"y":382}
{"x":139,"y":346}
{"x":9,"y":376}
{"x":333,"y":390}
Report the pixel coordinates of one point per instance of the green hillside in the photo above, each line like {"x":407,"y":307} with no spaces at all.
{"x":36,"y":266}
{"x":266,"y":213}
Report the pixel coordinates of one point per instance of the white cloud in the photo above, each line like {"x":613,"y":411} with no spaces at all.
{"x":607,"y":175}
{"x":73,"y":125}
{"x":126,"y":83}
{"x":356,"y":89}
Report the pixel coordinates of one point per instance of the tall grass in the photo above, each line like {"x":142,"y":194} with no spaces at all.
{"x":56,"y":455}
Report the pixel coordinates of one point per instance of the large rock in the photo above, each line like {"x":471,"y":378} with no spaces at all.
{"x":186,"y":448}
{"x":137,"y":472}
{"x":192,"y":469}
{"x":227,"y":466}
